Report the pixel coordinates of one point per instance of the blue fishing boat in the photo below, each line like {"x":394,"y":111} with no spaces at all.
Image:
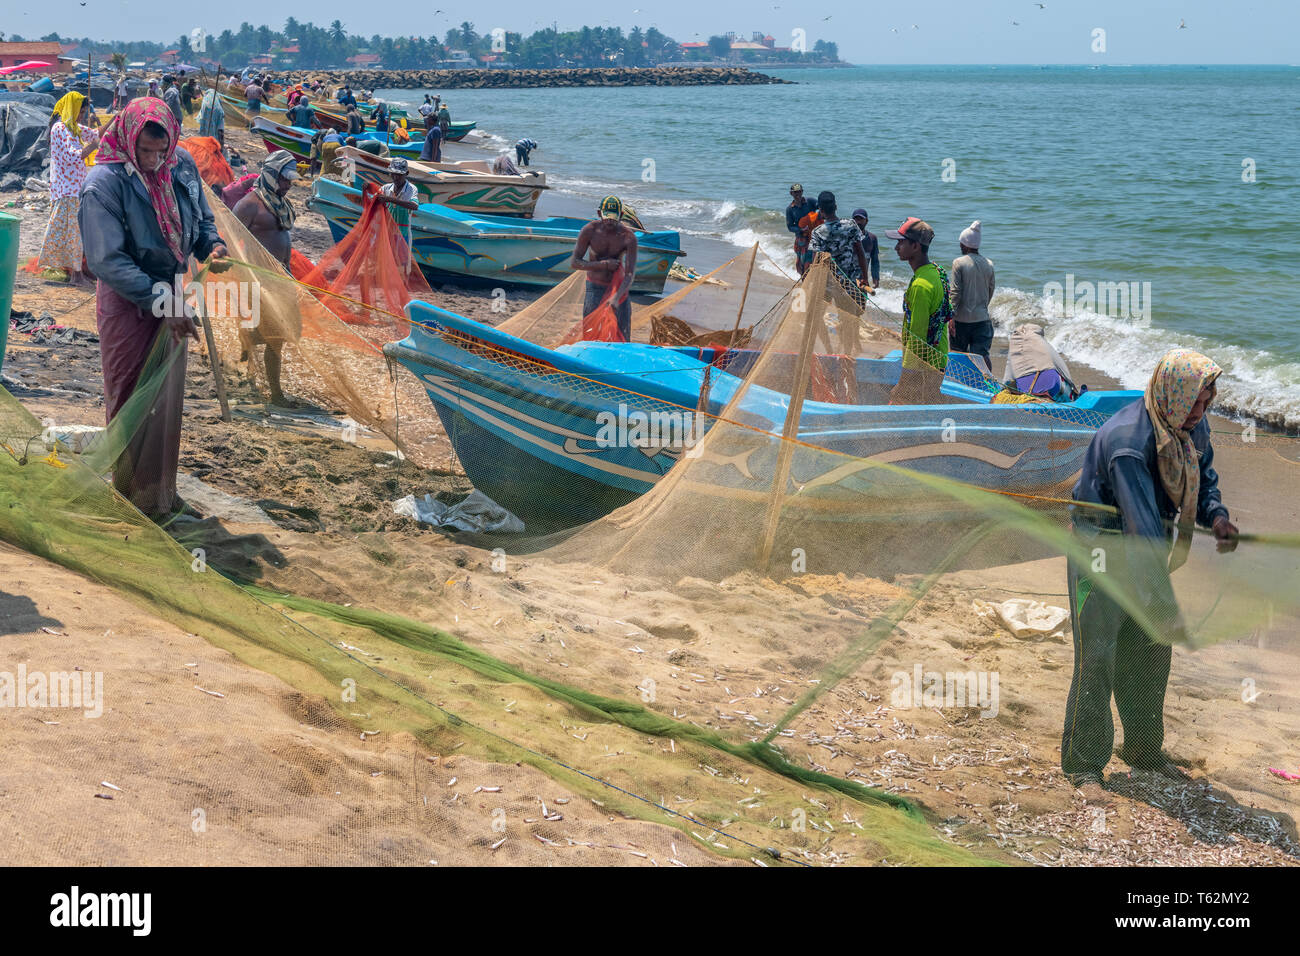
{"x":540,"y":430}
{"x":451,"y":243}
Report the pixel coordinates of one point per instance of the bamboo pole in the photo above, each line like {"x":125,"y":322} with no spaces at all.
{"x":814,"y":313}
{"x":743,"y":296}
{"x":214,"y":358}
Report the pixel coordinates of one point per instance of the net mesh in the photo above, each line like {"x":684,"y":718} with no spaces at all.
{"x":739,"y":549}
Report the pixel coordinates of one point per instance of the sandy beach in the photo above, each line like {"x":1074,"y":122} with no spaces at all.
{"x":276,"y":777}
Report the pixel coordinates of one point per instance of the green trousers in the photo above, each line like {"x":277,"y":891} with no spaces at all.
{"x":1113,"y":656}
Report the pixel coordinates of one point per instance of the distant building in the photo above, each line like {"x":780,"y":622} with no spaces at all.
{"x":365,"y":61}
{"x":12,"y":54}
{"x":457,"y":60}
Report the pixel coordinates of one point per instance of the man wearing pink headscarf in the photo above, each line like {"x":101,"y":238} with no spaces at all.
{"x":1151,"y":468}
{"x":142,"y":217}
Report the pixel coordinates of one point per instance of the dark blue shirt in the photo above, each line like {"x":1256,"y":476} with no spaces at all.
{"x":432,"y":142}
{"x":1121,"y":470}
{"x":796,"y":211}
{"x":871,"y":246}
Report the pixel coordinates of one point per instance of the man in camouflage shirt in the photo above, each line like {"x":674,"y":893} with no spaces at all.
{"x":841,"y":239}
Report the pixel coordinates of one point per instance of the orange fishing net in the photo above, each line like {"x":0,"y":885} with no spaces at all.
{"x":370,"y":269}
{"x":214,"y":169}
{"x":601,"y":324}
{"x":300,"y":267}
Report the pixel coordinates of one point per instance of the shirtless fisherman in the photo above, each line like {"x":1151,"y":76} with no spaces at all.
{"x":269,"y":216}
{"x":612,"y":244}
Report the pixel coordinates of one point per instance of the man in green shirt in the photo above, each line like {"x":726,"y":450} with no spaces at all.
{"x":926,"y":311}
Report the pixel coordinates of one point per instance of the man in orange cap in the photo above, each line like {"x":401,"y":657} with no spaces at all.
{"x":926,"y":311}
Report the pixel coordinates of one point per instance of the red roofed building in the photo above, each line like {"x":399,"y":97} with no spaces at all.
{"x":12,"y":54}
{"x":364,"y":60}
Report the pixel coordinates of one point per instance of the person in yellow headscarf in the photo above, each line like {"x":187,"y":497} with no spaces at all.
{"x":1152,"y":464}
{"x":71,"y":146}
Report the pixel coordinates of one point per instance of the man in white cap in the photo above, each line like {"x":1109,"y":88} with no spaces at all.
{"x":402,"y":199}
{"x":971,"y":327}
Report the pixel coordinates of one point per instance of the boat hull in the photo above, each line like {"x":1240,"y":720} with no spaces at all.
{"x":527,"y":425}
{"x":467,"y":191}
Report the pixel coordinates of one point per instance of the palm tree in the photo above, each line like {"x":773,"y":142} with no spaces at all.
{"x":119,"y":62}
{"x":468,"y":37}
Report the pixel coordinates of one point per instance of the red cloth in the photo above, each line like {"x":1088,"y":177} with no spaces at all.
{"x":238,"y":189}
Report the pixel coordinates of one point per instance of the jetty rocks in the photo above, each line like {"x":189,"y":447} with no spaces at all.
{"x":523,"y":79}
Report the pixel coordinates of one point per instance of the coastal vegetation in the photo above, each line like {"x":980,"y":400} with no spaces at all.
{"x":307,"y":46}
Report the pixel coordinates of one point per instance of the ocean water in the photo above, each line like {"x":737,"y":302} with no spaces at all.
{"x":1081,"y":177}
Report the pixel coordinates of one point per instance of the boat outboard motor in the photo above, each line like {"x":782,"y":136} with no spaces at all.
{"x":1034,"y":367}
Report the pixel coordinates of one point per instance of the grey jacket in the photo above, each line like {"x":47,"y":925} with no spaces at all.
{"x":119,"y":229}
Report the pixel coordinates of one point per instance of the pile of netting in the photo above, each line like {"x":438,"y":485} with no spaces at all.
{"x":209,"y":158}
{"x":716,"y":647}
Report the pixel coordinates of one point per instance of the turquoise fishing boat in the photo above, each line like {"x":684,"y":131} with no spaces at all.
{"x":448,"y":243}
{"x":532,"y":425}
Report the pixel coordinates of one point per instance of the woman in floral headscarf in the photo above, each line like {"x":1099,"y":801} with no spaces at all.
{"x":143,"y":215}
{"x":1152,"y":465}
{"x":71,"y":145}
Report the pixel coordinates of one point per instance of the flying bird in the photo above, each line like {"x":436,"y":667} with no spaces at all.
{"x":1182,"y":24}
{"x":1041,"y":6}
{"x":1015,"y":23}
{"x":915,"y":27}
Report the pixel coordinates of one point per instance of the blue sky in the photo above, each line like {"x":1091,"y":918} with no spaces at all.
{"x":948,"y":31}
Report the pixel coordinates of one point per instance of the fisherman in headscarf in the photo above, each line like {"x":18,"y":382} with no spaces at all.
{"x":269,"y":216}
{"x":212,"y":117}
{"x":71,"y":146}
{"x":1153,"y":463}
{"x":143,"y":215}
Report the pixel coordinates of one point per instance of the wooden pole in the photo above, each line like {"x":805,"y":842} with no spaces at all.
{"x":743,"y":296}
{"x":214,"y":358}
{"x":815,"y":311}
